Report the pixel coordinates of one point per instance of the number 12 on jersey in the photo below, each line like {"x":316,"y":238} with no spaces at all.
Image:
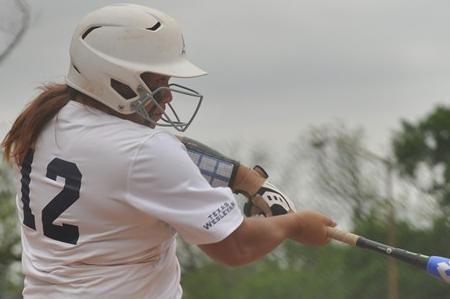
{"x":61,"y":202}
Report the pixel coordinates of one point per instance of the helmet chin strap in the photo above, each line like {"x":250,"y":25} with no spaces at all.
{"x":145,"y":96}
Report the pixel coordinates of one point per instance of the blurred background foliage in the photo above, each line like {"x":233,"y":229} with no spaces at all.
{"x":10,"y":278}
{"x":402,"y":197}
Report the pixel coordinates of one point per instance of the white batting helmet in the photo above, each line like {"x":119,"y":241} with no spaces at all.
{"x":120,"y":42}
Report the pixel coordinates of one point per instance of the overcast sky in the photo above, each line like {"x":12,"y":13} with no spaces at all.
{"x":275,"y":67}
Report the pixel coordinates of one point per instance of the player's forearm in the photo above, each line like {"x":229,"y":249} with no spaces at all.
{"x":260,"y":235}
{"x":254,"y":238}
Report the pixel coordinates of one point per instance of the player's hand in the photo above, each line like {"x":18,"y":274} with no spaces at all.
{"x":311,"y":228}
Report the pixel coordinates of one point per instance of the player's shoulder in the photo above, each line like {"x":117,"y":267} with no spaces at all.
{"x":162,"y":143}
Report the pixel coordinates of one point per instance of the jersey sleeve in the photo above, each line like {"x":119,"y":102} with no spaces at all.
{"x":165,"y":184}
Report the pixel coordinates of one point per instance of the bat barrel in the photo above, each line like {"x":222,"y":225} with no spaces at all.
{"x":416,"y":259}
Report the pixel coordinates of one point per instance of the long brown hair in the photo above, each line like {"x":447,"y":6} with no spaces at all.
{"x":26,"y":128}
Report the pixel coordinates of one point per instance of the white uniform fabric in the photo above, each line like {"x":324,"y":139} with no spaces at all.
{"x":138,"y":189}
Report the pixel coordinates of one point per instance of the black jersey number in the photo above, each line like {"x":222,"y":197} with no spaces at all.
{"x":62,"y":201}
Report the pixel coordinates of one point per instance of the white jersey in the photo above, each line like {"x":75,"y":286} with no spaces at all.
{"x":101,"y":200}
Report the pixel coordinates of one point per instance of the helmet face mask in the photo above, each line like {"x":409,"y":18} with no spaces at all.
{"x":115,"y":45}
{"x":153,"y":100}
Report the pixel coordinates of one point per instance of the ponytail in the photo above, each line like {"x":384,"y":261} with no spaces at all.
{"x":27,"y":127}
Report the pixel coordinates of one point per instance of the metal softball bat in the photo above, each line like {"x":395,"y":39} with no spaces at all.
{"x":435,"y":265}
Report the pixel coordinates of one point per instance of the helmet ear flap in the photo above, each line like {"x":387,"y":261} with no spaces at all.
{"x":124,"y":90}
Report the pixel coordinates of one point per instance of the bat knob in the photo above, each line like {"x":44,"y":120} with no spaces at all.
{"x":439,"y":267}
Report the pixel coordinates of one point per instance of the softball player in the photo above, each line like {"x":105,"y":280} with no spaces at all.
{"x":102,"y":192}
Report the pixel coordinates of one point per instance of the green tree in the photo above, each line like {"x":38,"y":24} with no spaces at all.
{"x":422,"y":151}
